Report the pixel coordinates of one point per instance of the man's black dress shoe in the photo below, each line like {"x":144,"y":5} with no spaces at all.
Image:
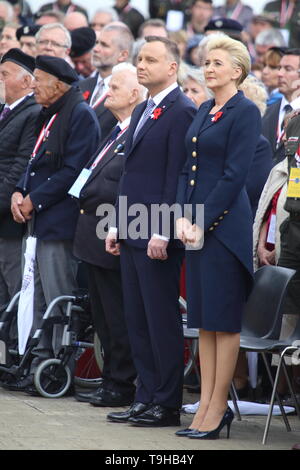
{"x":157,"y":415}
{"x":104,"y":397}
{"x":123,"y":416}
{"x":19,"y":385}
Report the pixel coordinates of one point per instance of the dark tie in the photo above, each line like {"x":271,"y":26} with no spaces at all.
{"x":4,"y":113}
{"x":147,"y":113}
{"x":114,"y":134}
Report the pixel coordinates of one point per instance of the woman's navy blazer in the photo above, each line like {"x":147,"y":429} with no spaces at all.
{"x":219,"y":156}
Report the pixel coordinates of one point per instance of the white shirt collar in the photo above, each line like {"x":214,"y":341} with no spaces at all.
{"x":161,"y":95}
{"x":105,"y":80}
{"x":295,"y":103}
{"x":124,"y":123}
{"x":15,"y":103}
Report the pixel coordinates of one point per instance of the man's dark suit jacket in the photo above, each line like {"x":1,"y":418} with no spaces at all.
{"x":56,"y":212}
{"x":154,"y":160}
{"x":101,"y":188}
{"x":105,"y":117}
{"x":17,"y":142}
{"x":269,"y":130}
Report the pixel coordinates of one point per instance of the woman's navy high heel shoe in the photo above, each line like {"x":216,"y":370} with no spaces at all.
{"x":214,"y":434}
{"x":185,"y":432}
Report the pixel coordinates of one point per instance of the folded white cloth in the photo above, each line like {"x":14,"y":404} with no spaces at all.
{"x":245,"y":407}
{"x":26,"y":300}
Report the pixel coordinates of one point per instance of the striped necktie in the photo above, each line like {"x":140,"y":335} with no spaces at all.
{"x":147,"y":113}
{"x":4,"y":113}
{"x":100,"y":89}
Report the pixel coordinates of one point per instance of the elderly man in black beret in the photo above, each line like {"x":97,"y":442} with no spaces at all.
{"x":83,"y":41}
{"x":17,"y":123}
{"x":67,"y":134}
{"x":26,"y":38}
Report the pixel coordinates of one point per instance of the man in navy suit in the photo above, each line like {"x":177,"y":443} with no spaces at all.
{"x":150,"y":263}
{"x":68,"y":135}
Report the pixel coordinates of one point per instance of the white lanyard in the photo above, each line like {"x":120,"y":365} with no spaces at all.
{"x":105,"y":149}
{"x":99,"y":100}
{"x":286,"y":12}
{"x":297,"y":157}
{"x":280,"y":134}
{"x":236,"y":12}
{"x":42,"y":137}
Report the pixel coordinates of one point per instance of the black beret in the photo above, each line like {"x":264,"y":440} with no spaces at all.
{"x":83,"y":40}
{"x":227,"y":25}
{"x":57,"y":67}
{"x":20,"y":58}
{"x":27,"y":31}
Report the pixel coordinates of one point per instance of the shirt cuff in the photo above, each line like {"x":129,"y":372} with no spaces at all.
{"x":161,"y":237}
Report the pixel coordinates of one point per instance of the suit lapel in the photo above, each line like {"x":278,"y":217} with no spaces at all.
{"x":165,"y":105}
{"x":13,"y":113}
{"x":199,"y":126}
{"x":107,"y":157}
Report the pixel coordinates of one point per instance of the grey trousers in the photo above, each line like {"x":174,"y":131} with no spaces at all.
{"x":55,"y":274}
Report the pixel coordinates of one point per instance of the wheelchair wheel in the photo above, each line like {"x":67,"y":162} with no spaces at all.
{"x":89,"y":375}
{"x":52,"y":379}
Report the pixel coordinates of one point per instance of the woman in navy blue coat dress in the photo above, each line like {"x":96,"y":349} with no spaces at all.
{"x":221,"y":144}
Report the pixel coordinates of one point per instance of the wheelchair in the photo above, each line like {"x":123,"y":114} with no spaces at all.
{"x":53,"y":377}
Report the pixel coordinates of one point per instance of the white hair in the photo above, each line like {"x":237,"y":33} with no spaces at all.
{"x":50,"y":26}
{"x":272,"y":37}
{"x":9,"y":11}
{"x":128,"y":67}
{"x":110,"y":11}
{"x":23,"y":73}
{"x":196,"y":74}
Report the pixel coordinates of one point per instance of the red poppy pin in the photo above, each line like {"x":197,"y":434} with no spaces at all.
{"x":217,"y":116}
{"x":86,"y":94}
{"x":156,"y":113}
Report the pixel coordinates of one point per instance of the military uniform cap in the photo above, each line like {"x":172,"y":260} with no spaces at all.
{"x":83,"y":41}
{"x":20,"y":58}
{"x":57,"y":67}
{"x":227,"y":25}
{"x":27,"y":31}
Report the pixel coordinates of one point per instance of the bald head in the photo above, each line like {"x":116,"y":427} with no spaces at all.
{"x":75,"y":20}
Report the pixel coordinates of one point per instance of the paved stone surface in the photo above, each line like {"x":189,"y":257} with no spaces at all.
{"x":37,"y":423}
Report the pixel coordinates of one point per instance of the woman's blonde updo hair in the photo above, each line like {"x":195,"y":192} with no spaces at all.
{"x":237,"y":51}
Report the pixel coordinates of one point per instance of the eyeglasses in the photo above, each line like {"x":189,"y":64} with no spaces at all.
{"x":48,"y":42}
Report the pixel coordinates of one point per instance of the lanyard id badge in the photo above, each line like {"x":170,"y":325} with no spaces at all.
{"x":294,"y":183}
{"x":79,"y":183}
